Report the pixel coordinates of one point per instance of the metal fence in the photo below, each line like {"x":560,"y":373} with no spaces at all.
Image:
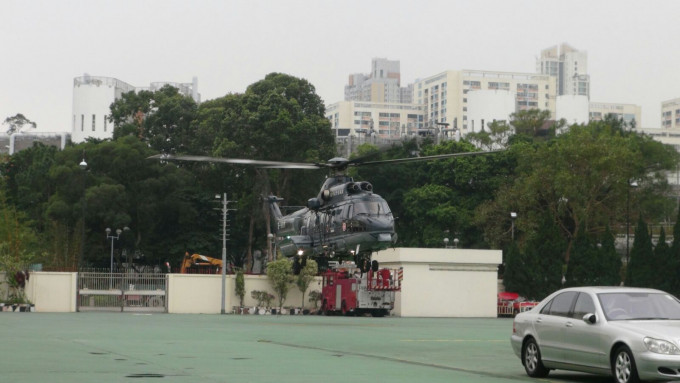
{"x":122,"y":292}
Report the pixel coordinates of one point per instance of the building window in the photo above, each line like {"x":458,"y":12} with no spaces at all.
{"x":82,"y":122}
{"x":74,"y":123}
{"x":94,"y":119}
{"x":105,"y":123}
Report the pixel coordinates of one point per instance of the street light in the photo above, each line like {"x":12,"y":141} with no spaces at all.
{"x":513,"y":216}
{"x":446,"y":243}
{"x":631,"y":185}
{"x":455,"y":243}
{"x":117,"y":236}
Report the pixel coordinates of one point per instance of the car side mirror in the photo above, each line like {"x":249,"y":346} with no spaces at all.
{"x":590,"y":318}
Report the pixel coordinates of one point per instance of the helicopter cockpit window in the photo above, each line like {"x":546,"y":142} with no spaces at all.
{"x":371,"y":208}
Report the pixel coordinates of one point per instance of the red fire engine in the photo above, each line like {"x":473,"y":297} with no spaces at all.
{"x":348,"y":291}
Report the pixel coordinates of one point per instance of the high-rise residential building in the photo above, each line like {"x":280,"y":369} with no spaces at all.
{"x":569,"y":66}
{"x":446,"y":97}
{"x":670,"y":114}
{"x":383,"y":84}
{"x":92,"y":99}
{"x":383,"y":120}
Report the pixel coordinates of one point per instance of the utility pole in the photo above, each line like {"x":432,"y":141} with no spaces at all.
{"x":225,"y":211}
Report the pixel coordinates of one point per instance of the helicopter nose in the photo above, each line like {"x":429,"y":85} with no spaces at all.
{"x":384,"y":224}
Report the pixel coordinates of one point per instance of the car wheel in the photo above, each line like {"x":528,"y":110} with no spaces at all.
{"x":623,"y":366}
{"x":531,"y":358}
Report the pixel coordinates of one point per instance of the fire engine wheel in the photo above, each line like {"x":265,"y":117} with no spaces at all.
{"x":378,"y":313}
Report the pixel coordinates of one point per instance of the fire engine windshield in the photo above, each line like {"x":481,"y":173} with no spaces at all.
{"x":371,"y":208}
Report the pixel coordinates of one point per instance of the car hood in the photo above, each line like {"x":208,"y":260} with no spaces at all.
{"x":662,"y":329}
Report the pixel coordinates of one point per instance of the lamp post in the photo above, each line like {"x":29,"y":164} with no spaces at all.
{"x":446,"y":243}
{"x":455,"y":243}
{"x":112,"y":237}
{"x":513,"y":216}
{"x":631,"y":185}
{"x":83,"y":166}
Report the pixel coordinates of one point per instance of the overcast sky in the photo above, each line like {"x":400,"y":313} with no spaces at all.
{"x":633,"y":46}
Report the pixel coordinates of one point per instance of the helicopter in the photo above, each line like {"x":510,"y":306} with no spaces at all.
{"x":345,"y":220}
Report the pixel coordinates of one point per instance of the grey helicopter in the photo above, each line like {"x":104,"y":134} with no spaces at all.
{"x":345,"y":220}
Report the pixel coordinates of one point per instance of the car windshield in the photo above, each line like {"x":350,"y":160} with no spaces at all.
{"x":639,"y":306}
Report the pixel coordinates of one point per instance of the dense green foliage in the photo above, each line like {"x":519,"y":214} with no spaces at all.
{"x":305,"y":277}
{"x":570,"y":188}
{"x":280,"y":276}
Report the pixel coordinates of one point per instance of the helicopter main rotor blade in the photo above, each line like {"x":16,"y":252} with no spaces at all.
{"x":239,"y":161}
{"x":425,"y":158}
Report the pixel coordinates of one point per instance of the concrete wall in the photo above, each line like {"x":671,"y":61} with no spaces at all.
{"x":437,"y":283}
{"x":52,"y":291}
{"x":444,"y":282}
{"x":194,"y":293}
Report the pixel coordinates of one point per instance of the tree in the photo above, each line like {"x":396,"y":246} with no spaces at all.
{"x":534,"y":123}
{"x":675,"y":255}
{"x":496,"y":137}
{"x":580,"y":179}
{"x":305,"y":277}
{"x":240,"y":288}
{"x":280,"y":274}
{"x":663,"y":264}
{"x":18,"y":122}
{"x":278,"y":118}
{"x":594,"y":262}
{"x":18,"y":242}
{"x":640,"y":270}
{"x":162,"y":118}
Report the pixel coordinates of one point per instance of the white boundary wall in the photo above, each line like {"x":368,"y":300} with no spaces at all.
{"x":200,"y":294}
{"x":444,"y":282}
{"x":52,"y":291}
{"x":437,"y":283}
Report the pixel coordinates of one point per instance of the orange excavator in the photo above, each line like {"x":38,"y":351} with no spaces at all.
{"x":200,"y":264}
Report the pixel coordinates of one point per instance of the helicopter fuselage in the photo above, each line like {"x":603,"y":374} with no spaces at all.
{"x":345,"y":218}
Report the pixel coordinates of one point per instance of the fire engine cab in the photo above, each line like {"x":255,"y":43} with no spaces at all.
{"x":348,"y":291}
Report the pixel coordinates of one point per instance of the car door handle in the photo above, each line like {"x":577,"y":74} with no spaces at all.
{"x":569,"y":324}
{"x":539,"y":320}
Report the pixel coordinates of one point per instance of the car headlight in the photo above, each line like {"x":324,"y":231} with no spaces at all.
{"x":661,"y":346}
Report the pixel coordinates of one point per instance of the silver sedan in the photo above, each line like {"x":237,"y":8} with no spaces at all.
{"x":632,"y":334}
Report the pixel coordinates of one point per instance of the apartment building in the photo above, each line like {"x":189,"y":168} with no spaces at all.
{"x":670,"y":114}
{"x":445,"y":96}
{"x":92,"y":99}
{"x":382,"y":85}
{"x":384,"y":120}
{"x":569,"y":66}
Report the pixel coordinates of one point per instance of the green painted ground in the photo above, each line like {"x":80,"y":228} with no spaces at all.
{"x":124,"y":347}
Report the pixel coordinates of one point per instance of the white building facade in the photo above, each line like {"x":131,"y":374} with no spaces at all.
{"x":445,"y":96}
{"x":573,"y":109}
{"x":92,"y":99}
{"x":670,"y":114}
{"x":489,"y":105}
